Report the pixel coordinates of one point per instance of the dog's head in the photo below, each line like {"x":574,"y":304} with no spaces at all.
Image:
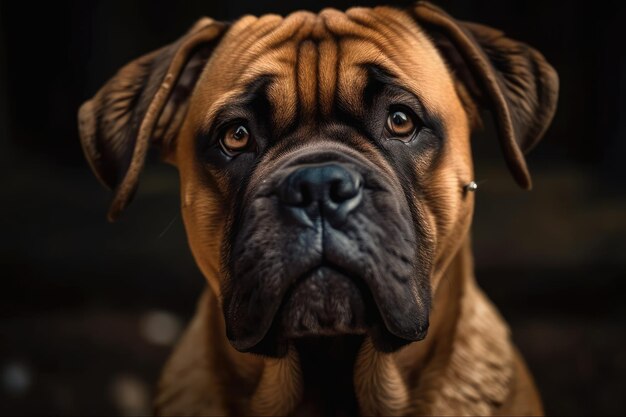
{"x":323,"y":158}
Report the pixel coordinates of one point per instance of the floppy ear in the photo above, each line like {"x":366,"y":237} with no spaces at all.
{"x":508,"y":77}
{"x":143,"y":104}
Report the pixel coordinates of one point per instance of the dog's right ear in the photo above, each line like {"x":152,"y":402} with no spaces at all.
{"x":143,"y":104}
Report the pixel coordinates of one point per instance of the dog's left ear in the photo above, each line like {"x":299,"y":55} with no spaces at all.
{"x":508,"y":77}
{"x":143,"y":105}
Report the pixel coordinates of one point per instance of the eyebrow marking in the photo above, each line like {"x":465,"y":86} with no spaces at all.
{"x":240,"y":103}
{"x":257,"y":88}
{"x":377,"y":73}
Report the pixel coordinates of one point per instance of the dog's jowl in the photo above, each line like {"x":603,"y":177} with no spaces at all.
{"x":325,"y":179}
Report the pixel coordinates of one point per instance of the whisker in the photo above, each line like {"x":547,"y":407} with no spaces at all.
{"x":169,"y":225}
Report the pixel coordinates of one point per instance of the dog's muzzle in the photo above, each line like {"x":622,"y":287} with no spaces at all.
{"x":323,"y":246}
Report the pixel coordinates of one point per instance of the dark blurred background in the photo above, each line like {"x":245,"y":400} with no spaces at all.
{"x":89,"y":310}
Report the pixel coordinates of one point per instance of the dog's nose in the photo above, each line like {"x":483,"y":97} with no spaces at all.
{"x":329,"y":190}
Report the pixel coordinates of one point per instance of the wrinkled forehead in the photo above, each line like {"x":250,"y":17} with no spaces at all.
{"x":315,"y":61}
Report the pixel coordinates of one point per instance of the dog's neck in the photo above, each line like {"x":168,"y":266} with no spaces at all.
{"x":464,"y":366}
{"x":341,"y":376}
{"x":327,"y":372}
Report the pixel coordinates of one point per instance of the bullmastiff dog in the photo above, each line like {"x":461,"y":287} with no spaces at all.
{"x":326,"y":190}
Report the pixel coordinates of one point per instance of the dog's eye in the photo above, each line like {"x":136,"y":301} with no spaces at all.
{"x":236,"y":139}
{"x":400,"y":124}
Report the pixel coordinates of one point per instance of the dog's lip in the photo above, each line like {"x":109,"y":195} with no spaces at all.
{"x":247,"y":343}
{"x":244,"y":344}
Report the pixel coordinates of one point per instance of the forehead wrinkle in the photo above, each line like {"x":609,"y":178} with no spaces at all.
{"x":400,"y":29}
{"x":396,"y":20}
{"x":297,"y":77}
{"x":352,"y":74}
{"x":291,"y":30}
{"x":382,"y":34}
{"x":399,"y":46}
{"x":220,"y":74}
{"x":281,"y":95}
{"x":244,"y":35}
{"x":274,"y":54}
{"x":248,"y":27}
{"x":327,"y":73}
{"x":346,"y":27}
{"x":306,"y":78}
{"x":267,"y":34}
{"x":296,"y":62}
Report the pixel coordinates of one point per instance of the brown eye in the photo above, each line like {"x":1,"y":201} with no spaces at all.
{"x":236,"y":139}
{"x":400,"y":124}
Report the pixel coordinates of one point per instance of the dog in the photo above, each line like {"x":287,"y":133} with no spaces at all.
{"x":326,"y":191}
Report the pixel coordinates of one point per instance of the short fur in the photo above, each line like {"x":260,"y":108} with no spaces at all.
{"x":316,"y":88}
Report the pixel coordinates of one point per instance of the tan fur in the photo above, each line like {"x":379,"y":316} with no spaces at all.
{"x":279,"y":389}
{"x":380,"y":388}
{"x":467,"y":365}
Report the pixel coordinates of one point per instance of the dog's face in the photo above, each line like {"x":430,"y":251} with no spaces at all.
{"x":319,"y":176}
{"x":323,"y":160}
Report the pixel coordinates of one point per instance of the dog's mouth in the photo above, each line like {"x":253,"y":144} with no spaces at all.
{"x":325,"y":283}
{"x":326,"y":301}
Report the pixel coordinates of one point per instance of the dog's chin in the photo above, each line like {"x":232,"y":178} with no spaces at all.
{"x":327,"y":302}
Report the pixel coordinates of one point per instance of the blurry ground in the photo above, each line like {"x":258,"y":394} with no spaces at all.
{"x":90,"y":309}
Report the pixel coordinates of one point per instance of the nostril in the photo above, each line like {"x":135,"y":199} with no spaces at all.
{"x":296,"y":190}
{"x":344,"y":189}
{"x":305,"y":194}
